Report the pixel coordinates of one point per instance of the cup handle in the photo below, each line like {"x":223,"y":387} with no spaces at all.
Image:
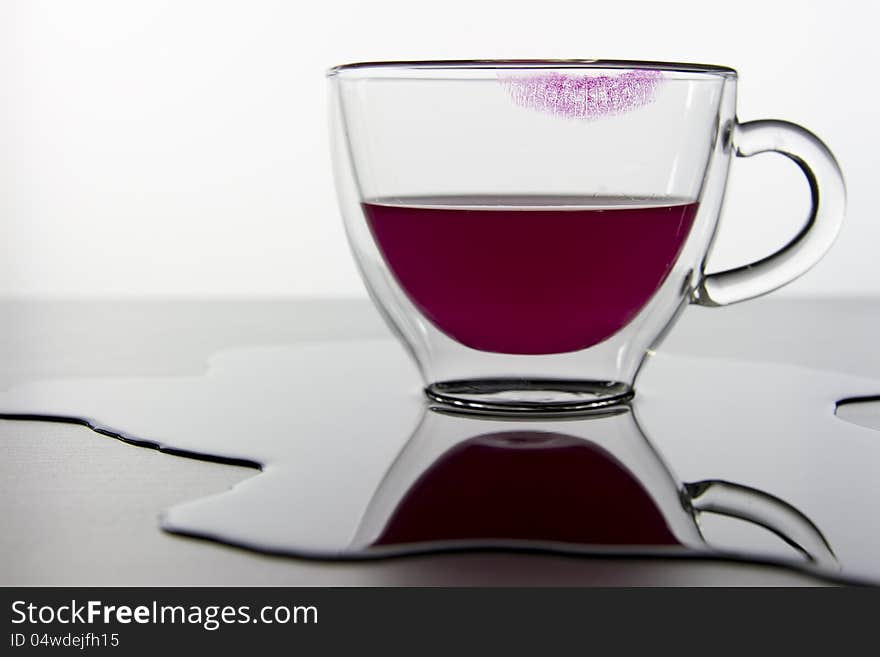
{"x":812,"y":242}
{"x":768,"y":511}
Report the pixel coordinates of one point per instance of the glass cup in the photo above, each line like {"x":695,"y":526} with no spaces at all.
{"x":531,"y":229}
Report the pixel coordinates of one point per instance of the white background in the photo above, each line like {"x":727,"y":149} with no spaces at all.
{"x":170,"y":149}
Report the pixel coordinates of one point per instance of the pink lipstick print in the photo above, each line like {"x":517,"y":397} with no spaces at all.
{"x":582,"y":96}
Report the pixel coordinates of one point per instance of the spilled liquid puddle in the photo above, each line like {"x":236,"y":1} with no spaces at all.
{"x":864,"y":411}
{"x":714,"y":458}
{"x":525,"y":485}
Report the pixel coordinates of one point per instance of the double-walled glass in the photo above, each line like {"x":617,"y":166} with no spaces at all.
{"x":531,"y":229}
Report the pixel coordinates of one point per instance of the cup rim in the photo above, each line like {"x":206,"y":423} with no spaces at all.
{"x":366,"y":69}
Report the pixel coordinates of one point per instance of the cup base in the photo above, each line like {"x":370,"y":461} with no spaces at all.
{"x":529,"y":397}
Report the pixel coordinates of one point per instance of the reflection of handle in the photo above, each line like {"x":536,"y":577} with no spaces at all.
{"x":807,"y":247}
{"x":765,"y":510}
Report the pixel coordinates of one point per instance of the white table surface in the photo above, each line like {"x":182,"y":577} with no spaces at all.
{"x":80,"y":508}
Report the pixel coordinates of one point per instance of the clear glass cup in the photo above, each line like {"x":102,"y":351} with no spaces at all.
{"x":531,"y":229}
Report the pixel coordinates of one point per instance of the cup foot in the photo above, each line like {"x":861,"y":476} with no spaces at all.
{"x":528,"y":397}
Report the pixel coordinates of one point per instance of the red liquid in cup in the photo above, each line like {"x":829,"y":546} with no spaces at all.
{"x":521,"y":275}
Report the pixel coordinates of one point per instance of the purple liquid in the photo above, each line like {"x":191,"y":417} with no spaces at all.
{"x":532,"y":486}
{"x":529,"y":275}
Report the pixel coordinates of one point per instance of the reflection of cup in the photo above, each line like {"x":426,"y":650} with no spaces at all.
{"x":590,"y":482}
{"x":530,"y":229}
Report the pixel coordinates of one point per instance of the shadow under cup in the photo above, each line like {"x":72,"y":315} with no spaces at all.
{"x":531,"y":229}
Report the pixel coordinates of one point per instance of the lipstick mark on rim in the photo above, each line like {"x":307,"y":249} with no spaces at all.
{"x":582,"y":96}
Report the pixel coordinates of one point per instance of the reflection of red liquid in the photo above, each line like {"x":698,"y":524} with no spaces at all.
{"x":529,"y":276}
{"x":532,"y":486}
